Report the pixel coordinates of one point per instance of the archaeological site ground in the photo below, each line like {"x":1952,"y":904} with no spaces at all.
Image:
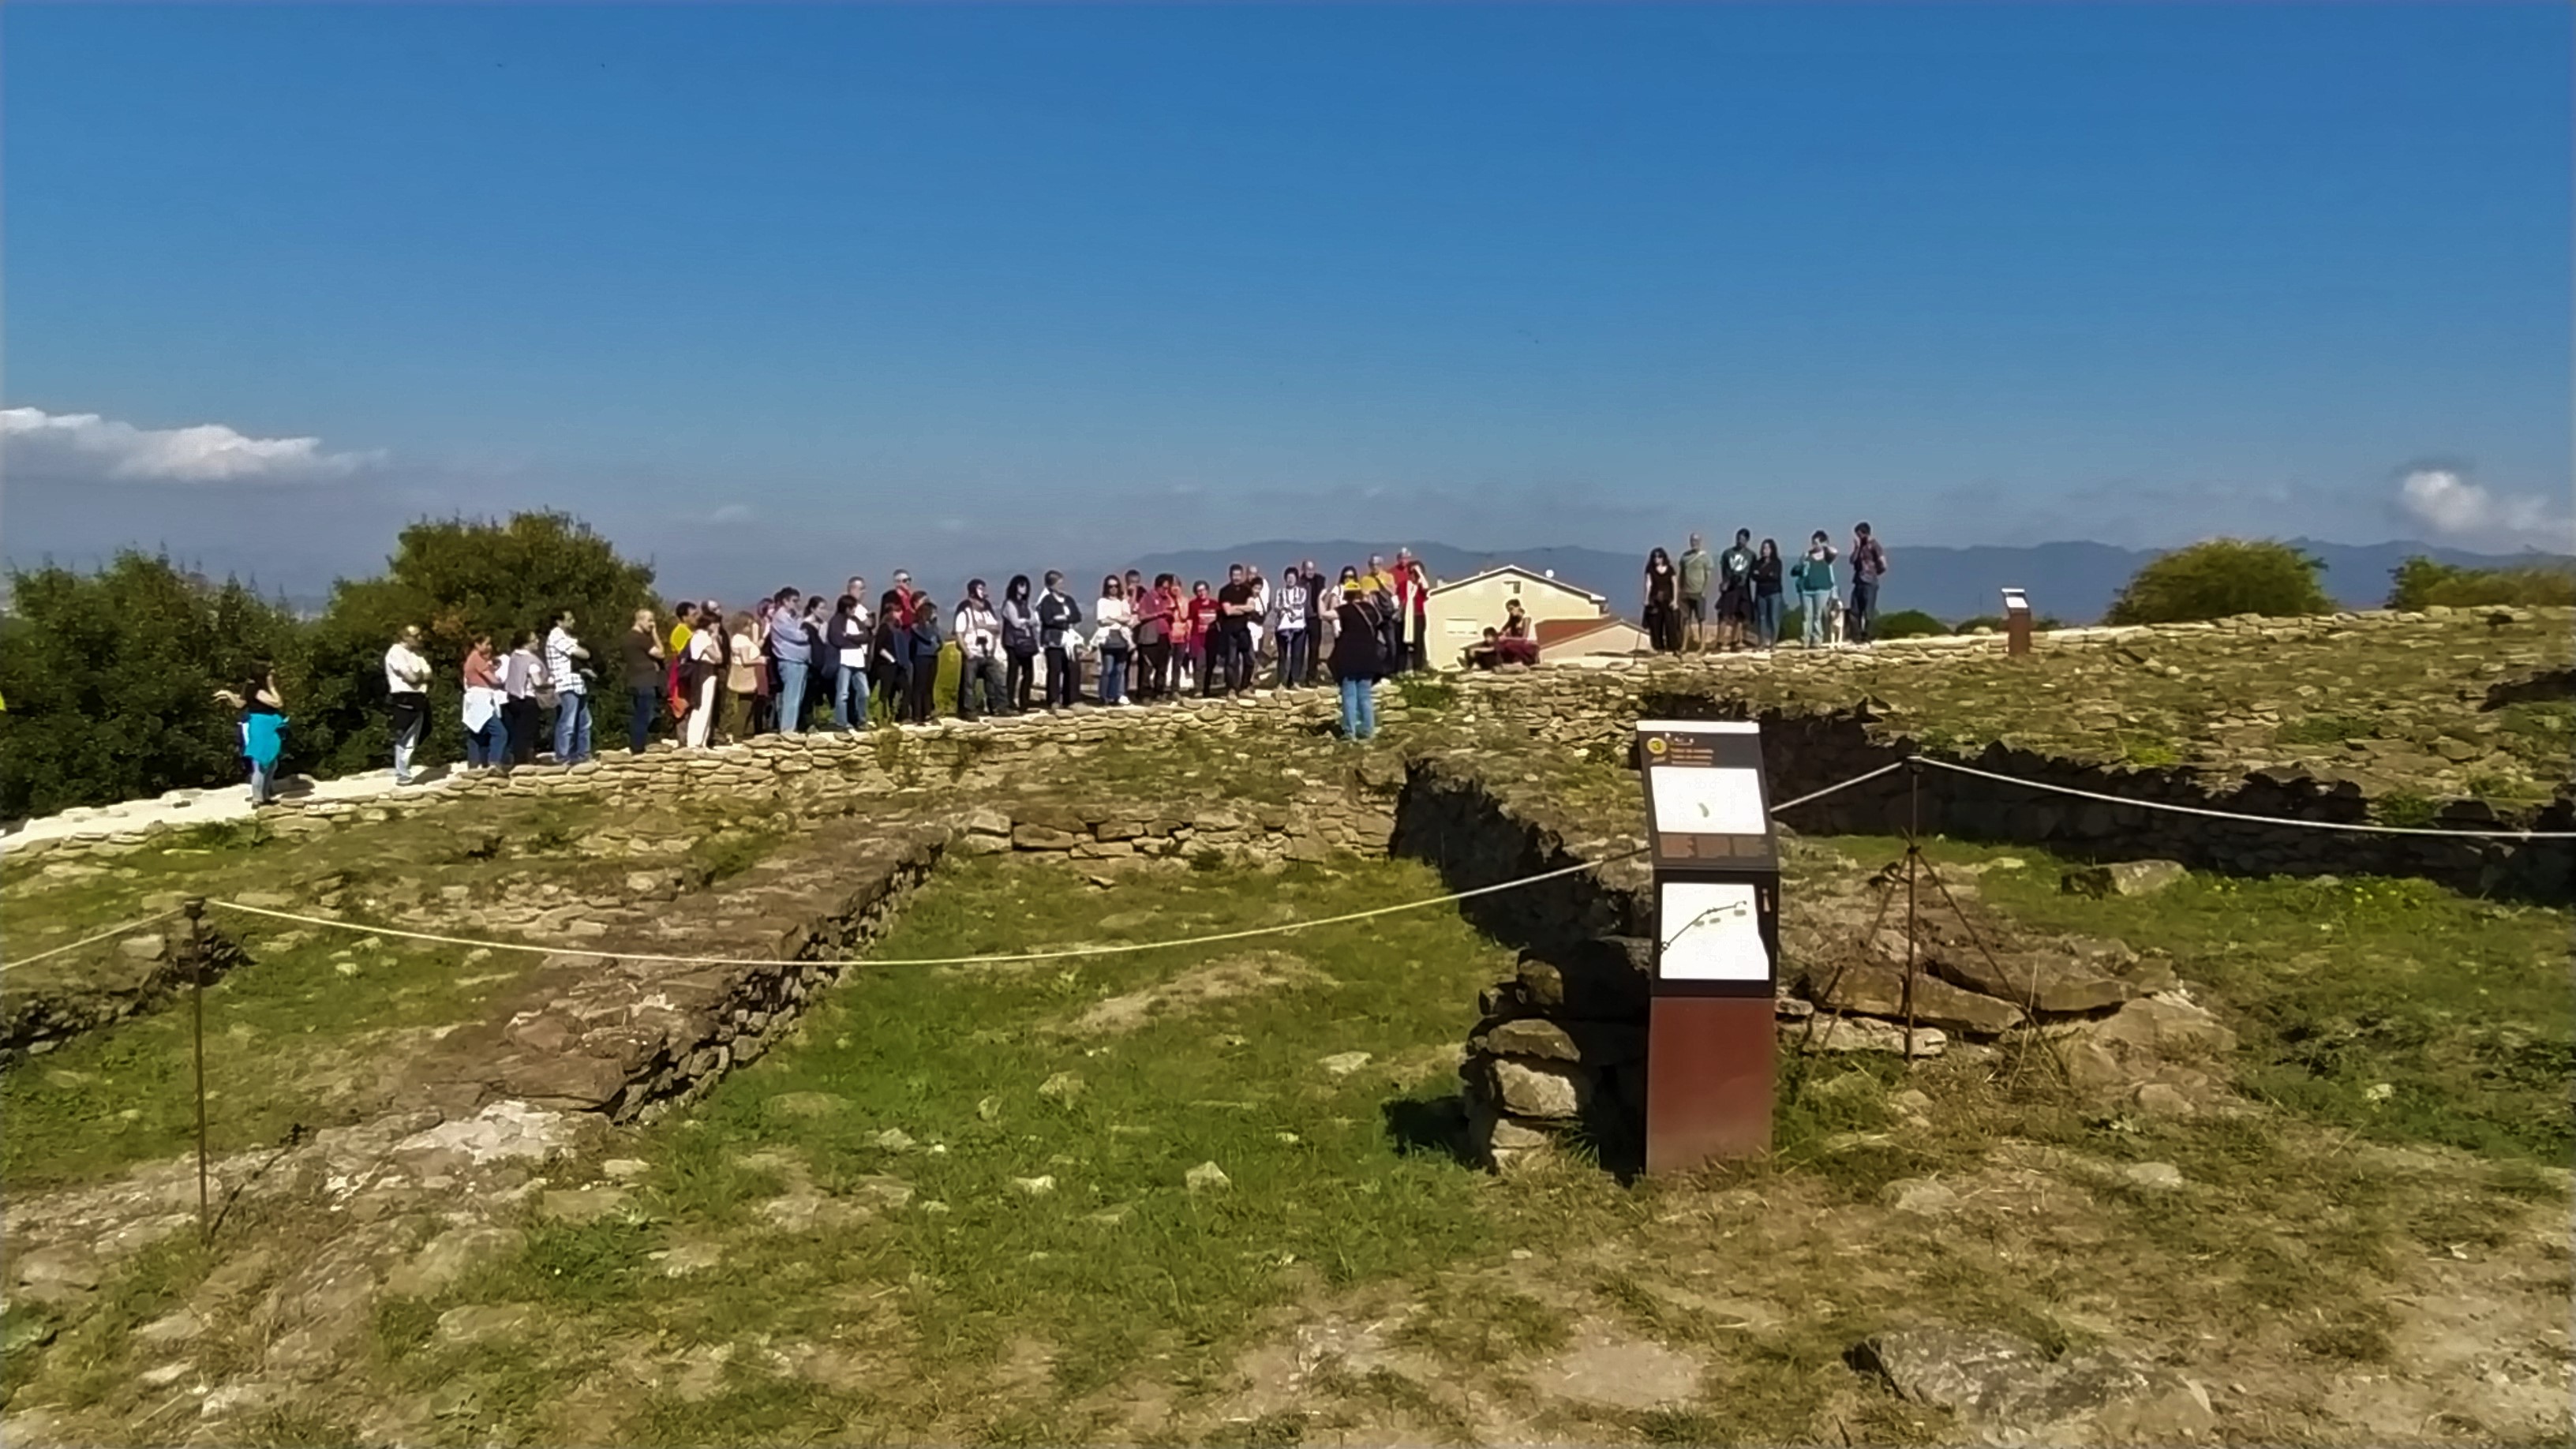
{"x":2209,"y":1131}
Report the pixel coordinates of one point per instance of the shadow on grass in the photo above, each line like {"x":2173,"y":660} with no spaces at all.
{"x":1430,"y":1126}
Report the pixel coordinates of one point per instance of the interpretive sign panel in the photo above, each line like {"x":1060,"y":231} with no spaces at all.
{"x":1710,"y":1042}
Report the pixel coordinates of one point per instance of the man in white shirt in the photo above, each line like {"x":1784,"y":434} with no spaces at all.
{"x":564,"y":658}
{"x":851,"y":637}
{"x":977,"y":628}
{"x":1288,"y":625}
{"x":406,"y":698}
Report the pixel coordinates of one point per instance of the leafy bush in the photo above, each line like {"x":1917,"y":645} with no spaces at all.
{"x":2221,"y":577}
{"x":456,"y":578}
{"x":2421,"y":583}
{"x":110,"y":679}
{"x":1906,"y":624}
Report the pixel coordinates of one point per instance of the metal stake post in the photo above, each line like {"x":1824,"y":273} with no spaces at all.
{"x":1913,"y":853}
{"x":195,"y":906}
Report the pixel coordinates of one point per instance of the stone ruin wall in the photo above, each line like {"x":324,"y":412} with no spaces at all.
{"x":625,"y":1037}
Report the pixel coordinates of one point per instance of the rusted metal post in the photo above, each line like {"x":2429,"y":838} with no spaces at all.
{"x":195,"y":906}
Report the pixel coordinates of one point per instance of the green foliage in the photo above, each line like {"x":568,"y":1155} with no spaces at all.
{"x":110,"y":676}
{"x":2219,"y":578}
{"x":110,"y":680}
{"x":457,"y":578}
{"x":2326,"y":729}
{"x":1425,"y":693}
{"x":2409,"y":810}
{"x":2421,"y":583}
{"x":1906,"y":624}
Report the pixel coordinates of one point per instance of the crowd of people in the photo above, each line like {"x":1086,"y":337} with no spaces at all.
{"x":843,"y":660}
{"x":1744,"y":592}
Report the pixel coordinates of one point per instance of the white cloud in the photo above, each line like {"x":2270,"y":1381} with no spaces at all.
{"x":2455,"y":510}
{"x":731,"y":513}
{"x":85,"y":447}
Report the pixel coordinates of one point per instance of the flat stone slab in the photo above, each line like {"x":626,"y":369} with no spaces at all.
{"x":2007,"y":1390}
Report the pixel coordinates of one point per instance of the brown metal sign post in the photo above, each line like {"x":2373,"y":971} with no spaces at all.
{"x":1710,"y":1042}
{"x":2016,"y":622}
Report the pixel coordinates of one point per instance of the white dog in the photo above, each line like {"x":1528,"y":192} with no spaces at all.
{"x":1833,"y":621}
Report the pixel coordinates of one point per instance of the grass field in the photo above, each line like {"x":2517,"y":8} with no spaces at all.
{"x":2390,"y":1008}
{"x":318,"y":1020}
{"x":958,"y":1204}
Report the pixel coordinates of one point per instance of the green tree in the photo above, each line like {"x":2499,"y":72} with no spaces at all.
{"x":457,"y":578}
{"x":2221,"y":577}
{"x":2420,"y":583}
{"x":109,"y":679}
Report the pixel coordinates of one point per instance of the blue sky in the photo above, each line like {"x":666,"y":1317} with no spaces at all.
{"x":788,"y":287}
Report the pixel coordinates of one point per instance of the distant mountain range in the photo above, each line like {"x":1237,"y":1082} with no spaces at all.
{"x":2075,"y":582}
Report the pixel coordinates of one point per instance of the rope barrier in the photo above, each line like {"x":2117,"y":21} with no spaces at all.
{"x":109,"y":934}
{"x":1019,"y":958}
{"x":1253,"y":933}
{"x":1057,"y":954}
{"x":2360,"y":827}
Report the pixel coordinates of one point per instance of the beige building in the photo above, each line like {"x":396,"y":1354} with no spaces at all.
{"x":1458,"y":614}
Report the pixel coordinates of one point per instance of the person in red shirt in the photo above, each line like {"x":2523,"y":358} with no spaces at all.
{"x":1411,"y":625}
{"x":1200,"y":616}
{"x":907,"y":600}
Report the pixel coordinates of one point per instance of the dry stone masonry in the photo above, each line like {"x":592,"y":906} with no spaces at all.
{"x":43,"y":1005}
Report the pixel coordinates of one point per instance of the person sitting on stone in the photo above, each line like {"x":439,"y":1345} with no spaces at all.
{"x":1517,"y":642}
{"x":1487,"y":652}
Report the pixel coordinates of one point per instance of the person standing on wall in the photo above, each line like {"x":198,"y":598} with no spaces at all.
{"x":1058,"y":616}
{"x":1413,"y":612}
{"x":1868,"y":566}
{"x":1291,"y":609}
{"x":980,"y":683}
{"x":1661,"y":614}
{"x":522,"y":675}
{"x":1115,"y":639}
{"x":1319,"y":623}
{"x":675,"y":664}
{"x":1359,"y":659}
{"x":791,"y":658}
{"x":1019,"y":642}
{"x":1813,"y":577}
{"x":823,"y":672}
{"x":921,"y":700}
{"x":487,"y":733}
{"x":1198,"y":638}
{"x":643,"y":656}
{"x":1735,"y":592}
{"x":406,"y":698}
{"x":263,"y":729}
{"x":742,"y":677}
{"x":1236,"y":604}
{"x":1157,"y":612}
{"x":1767,"y":601}
{"x":891,"y":649}
{"x":1697,"y":568}
{"x":564,"y":658}
{"x":847,"y":639}
{"x":702,"y":680}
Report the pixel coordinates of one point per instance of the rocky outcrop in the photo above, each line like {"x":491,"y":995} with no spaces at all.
{"x":1559,"y":1048}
